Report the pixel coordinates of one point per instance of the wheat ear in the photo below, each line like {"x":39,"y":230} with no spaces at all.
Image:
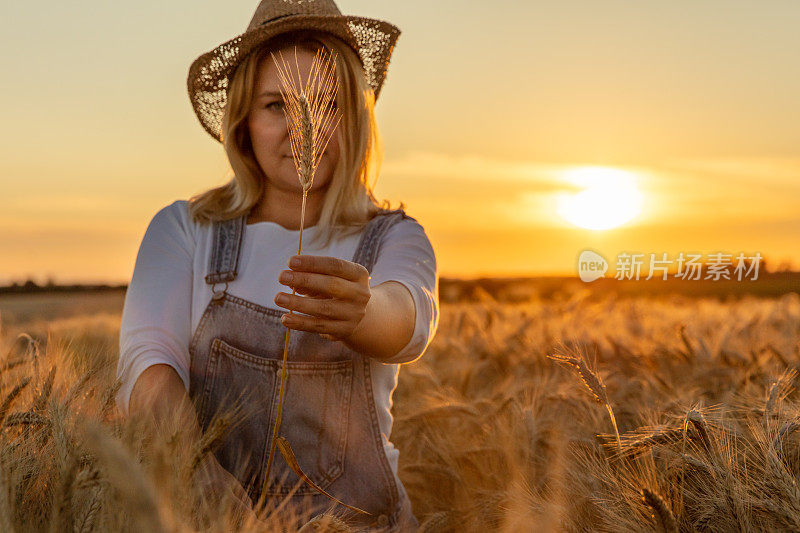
{"x":310,"y":112}
{"x":11,"y":397}
{"x":665,"y":517}
{"x":593,"y":383}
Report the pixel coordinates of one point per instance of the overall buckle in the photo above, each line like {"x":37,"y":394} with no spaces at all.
{"x":217,"y":296}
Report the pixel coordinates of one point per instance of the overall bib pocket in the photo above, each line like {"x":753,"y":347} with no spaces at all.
{"x":314,"y":417}
{"x":242,"y":385}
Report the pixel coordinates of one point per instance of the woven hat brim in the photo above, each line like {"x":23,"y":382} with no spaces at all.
{"x":207,"y":82}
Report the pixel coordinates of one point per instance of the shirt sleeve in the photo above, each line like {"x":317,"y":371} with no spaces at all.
{"x":406,"y":256}
{"x":156,"y":316}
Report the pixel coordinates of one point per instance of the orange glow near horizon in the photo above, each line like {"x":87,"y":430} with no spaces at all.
{"x":549,"y":131}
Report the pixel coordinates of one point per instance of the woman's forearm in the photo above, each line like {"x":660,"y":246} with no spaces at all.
{"x":160,"y":395}
{"x":388,"y":323}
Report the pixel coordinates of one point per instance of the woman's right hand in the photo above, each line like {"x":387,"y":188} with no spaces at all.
{"x":216,"y":484}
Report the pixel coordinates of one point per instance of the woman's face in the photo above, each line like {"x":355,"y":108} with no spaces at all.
{"x":269,"y":132}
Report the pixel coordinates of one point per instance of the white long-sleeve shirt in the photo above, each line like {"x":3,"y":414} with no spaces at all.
{"x":168,"y":294}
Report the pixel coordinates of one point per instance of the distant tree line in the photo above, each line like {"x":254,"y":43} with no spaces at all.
{"x":462,"y":286}
{"x":30,"y":286}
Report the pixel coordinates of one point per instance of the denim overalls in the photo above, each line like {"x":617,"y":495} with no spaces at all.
{"x":329,"y":414}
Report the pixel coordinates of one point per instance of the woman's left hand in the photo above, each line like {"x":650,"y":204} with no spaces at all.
{"x":336,"y":293}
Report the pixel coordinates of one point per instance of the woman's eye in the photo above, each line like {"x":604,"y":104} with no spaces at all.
{"x":270,"y":105}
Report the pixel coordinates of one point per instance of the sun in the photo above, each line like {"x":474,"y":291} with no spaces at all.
{"x":608,"y":200}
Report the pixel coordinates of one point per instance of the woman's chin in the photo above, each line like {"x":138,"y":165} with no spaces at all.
{"x":289,"y":179}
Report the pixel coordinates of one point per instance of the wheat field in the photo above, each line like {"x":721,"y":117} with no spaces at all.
{"x":507,"y":422}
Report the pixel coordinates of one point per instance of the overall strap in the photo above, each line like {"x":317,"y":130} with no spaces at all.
{"x":369,"y":245}
{"x":224,"y":258}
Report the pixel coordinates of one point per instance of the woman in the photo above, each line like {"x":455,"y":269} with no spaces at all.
{"x":205,"y":313}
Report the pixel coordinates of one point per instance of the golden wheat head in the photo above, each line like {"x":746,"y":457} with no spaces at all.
{"x":310,"y":109}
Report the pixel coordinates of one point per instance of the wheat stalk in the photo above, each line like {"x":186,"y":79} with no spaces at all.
{"x":128,"y":476}
{"x":210,"y":441}
{"x":109,"y":398}
{"x":291,"y":460}
{"x":63,"y":517}
{"x":6,"y":511}
{"x":11,"y":397}
{"x":593,"y":383}
{"x":436,"y":522}
{"x":639,"y":443}
{"x":89,"y":518}
{"x":661,"y":512}
{"x":310,"y":114}
{"x":327,"y":523}
{"x":27,"y":418}
{"x":41,"y":401}
{"x":777,"y":392}
{"x":77,"y":387}
{"x":699,"y":422}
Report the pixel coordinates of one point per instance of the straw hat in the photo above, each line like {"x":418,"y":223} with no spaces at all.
{"x":372,"y":39}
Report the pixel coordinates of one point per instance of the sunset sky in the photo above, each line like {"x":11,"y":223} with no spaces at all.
{"x":488,"y":110}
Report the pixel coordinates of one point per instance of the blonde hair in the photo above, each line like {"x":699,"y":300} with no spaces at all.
{"x":349,"y":200}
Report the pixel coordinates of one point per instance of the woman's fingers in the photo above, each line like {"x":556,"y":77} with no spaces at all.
{"x":332,"y":295}
{"x":332,"y":266}
{"x":330,"y":329}
{"x":311,"y":293}
{"x":318,"y":307}
{"x":324,"y":285}
{"x":323,"y":308}
{"x":330,"y":286}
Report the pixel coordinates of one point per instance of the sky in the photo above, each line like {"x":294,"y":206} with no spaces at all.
{"x":487,"y":110}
